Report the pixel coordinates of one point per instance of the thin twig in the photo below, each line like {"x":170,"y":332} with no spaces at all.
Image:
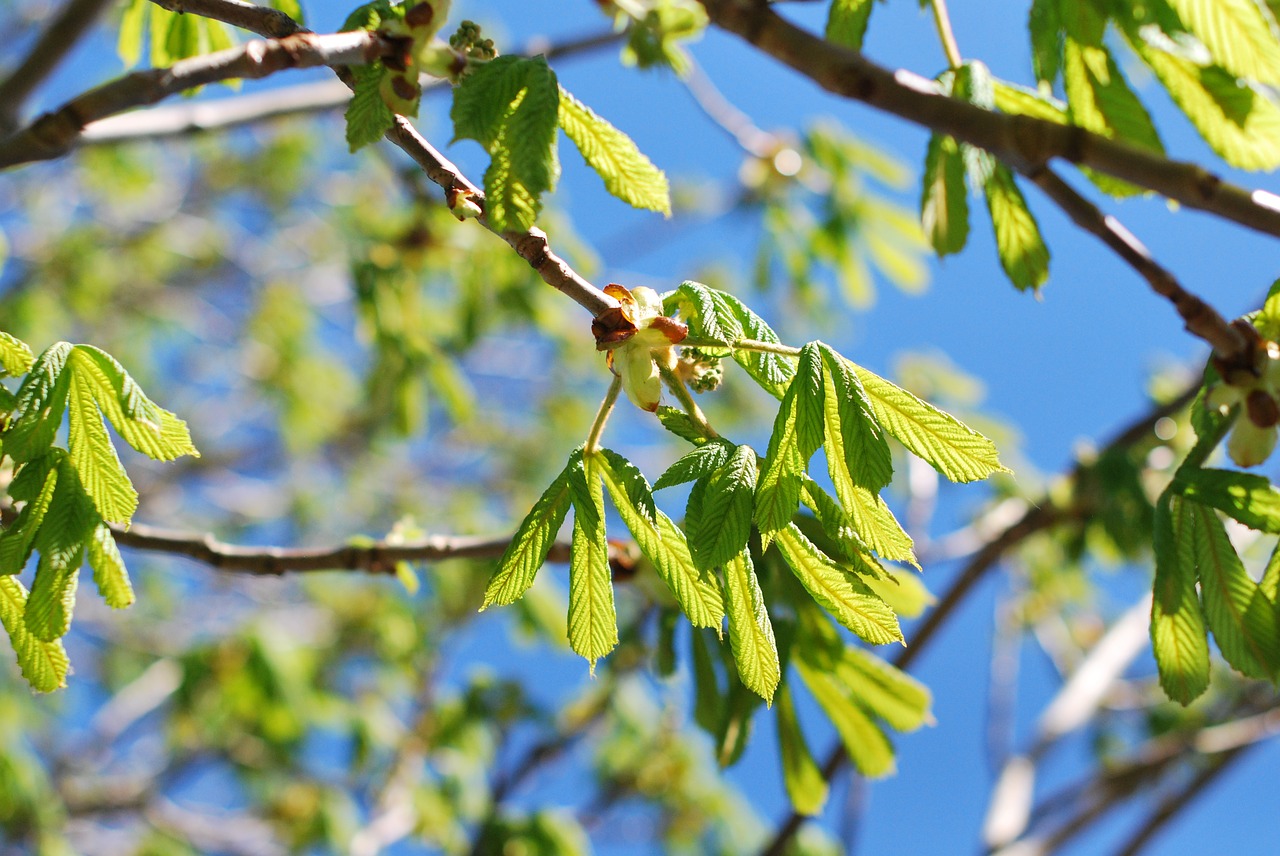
{"x":379,"y":557}
{"x":1023,"y":142}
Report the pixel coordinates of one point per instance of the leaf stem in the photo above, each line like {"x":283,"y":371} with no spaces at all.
{"x":681,"y":392}
{"x":765,"y":347}
{"x":602,"y":416}
{"x":942,"y":20}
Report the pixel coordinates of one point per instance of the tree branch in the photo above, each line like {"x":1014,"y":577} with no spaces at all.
{"x":376,"y":558}
{"x":1025,"y":143}
{"x":63,"y":33}
{"x":54,"y":134}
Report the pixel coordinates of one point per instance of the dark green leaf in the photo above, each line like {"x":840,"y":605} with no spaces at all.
{"x":718,"y":518}
{"x":702,"y":461}
{"x":944,"y":201}
{"x":1246,"y":497}
{"x":847,"y":22}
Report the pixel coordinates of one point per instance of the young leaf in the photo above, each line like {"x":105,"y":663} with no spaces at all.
{"x":292,"y":8}
{"x":702,"y":461}
{"x":68,"y":525}
{"x":856,"y":448}
{"x":832,"y":519}
{"x":877,"y":527}
{"x":1242,"y":618}
{"x":718,"y":518}
{"x":1046,"y":39}
{"x":706,"y":686}
{"x":847,"y":22}
{"x":109,"y":573}
{"x":34,"y":485}
{"x":707,"y":319}
{"x":951,"y":447}
{"x":42,"y":399}
{"x":528,"y":548}
{"x":888,"y":692}
{"x":810,"y":403}
{"x":682,"y":425}
{"x":1023,"y":254}
{"x":904,"y":591}
{"x":842,"y":594}
{"x":772,"y":372}
{"x":627,"y":173}
{"x":633,"y":484}
{"x":778,"y":489}
{"x":944,"y":203}
{"x":1237,"y":35}
{"x":15,"y":357}
{"x":750,"y":631}
{"x":94,"y":458}
{"x":668,"y":551}
{"x":1239,"y":123}
{"x":800,"y":773}
{"x":368,"y":116}
{"x":511,"y":106}
{"x":593,"y":623}
{"x":865,"y":741}
{"x":152,"y":430}
{"x":1246,"y":497}
{"x":1178,"y":634}
{"x":132,"y":25}
{"x":43,"y":664}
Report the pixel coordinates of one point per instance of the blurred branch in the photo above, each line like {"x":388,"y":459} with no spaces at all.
{"x":379,"y":557}
{"x":234,"y":111}
{"x":726,"y":116}
{"x":53,"y":134}
{"x":58,"y":39}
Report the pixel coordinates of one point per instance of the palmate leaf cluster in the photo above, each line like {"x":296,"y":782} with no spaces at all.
{"x":69,"y":496}
{"x":763,"y":544}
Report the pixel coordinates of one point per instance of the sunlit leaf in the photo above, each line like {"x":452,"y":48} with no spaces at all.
{"x":593,"y":623}
{"x":1178,"y":634}
{"x":800,"y":773}
{"x":43,"y":664}
{"x":750,"y":631}
{"x":863,"y":739}
{"x":627,"y":173}
{"x":847,"y":22}
{"x":718,"y":518}
{"x":528,"y":549}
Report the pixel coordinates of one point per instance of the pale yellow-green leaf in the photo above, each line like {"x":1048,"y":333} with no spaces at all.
{"x":15,"y":356}
{"x":53,"y":595}
{"x":877,"y":527}
{"x":1022,"y":251}
{"x":951,"y":447}
{"x":800,"y":773}
{"x":750,"y":631}
{"x":43,"y":664}
{"x":94,"y":457}
{"x":863,"y":739}
{"x":627,"y":173}
{"x":1240,"y":123}
{"x":1178,"y":634}
{"x":593,"y":623}
{"x":885,"y":690}
{"x":528,"y":549}
{"x":151,"y":430}
{"x":837,"y":590}
{"x":109,"y":573}
{"x":1236,"y":34}
{"x":904,"y":591}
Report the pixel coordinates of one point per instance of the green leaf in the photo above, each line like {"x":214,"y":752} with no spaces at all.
{"x":1237,"y":35}
{"x":368,"y":116}
{"x":1239,"y":123}
{"x":67,"y":527}
{"x":866,"y":743}
{"x":707,"y":702}
{"x":707,"y":318}
{"x":42,"y":399}
{"x":1242,"y":618}
{"x":148,"y":428}
{"x":668,"y":551}
{"x":904,"y":591}
{"x":109,"y":572}
{"x":778,"y":488}
{"x":702,"y":461}
{"x":1246,"y":497}
{"x":94,"y":457}
{"x":718,"y":517}
{"x":43,"y":664}
{"x":1046,"y":39}
{"x":878,"y":528}
{"x":593,"y":623}
{"x":627,"y":173}
{"x":885,"y":690}
{"x":847,"y":22}
{"x":1267,"y":319}
{"x":944,"y":203}
{"x":371,"y":15}
{"x":800,"y":773}
{"x":528,"y":549}
{"x":810,"y":403}
{"x":15,"y":356}
{"x":856,"y":448}
{"x":952,"y":448}
{"x":132,"y":26}
{"x":718,"y":315}
{"x":633,"y":483}
{"x":1023,"y":254}
{"x":1178,"y":634}
{"x":750,"y":632}
{"x":18,"y":540}
{"x":838,"y":591}
{"x":1020,"y":101}
{"x":511,"y":106}
{"x":1270,"y":583}
{"x":682,"y":425}
{"x":832,"y":519}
